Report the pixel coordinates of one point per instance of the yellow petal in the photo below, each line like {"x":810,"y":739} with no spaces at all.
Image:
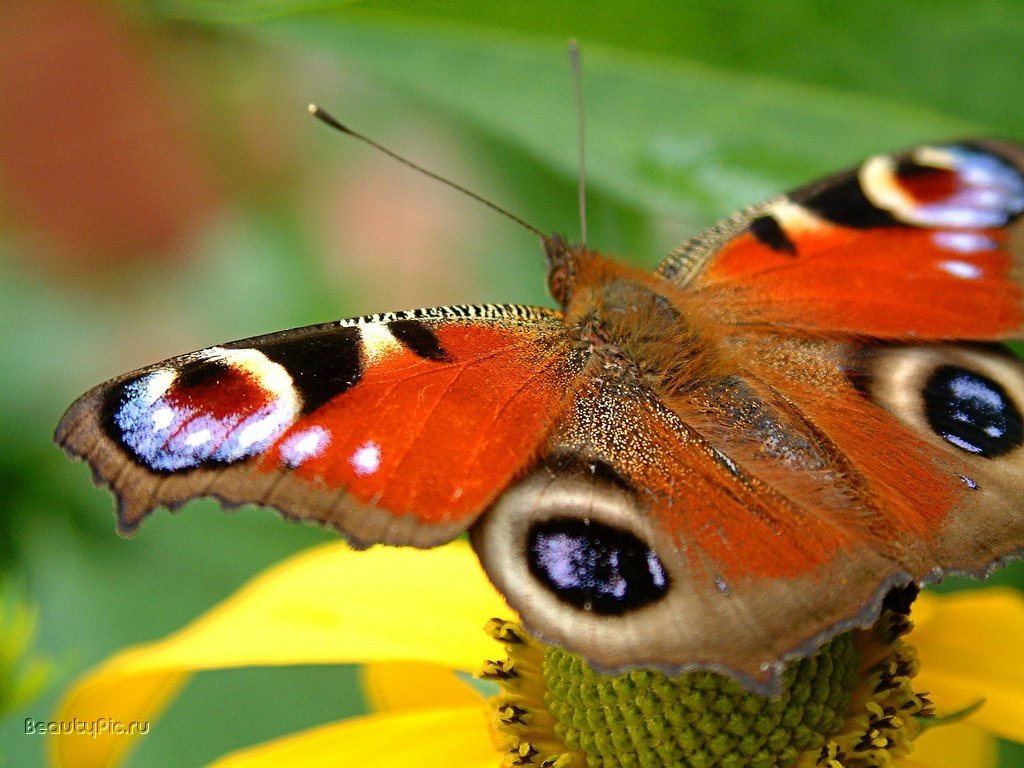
{"x":326,"y":605}
{"x":94,"y":704}
{"x":953,"y":746}
{"x":399,"y":685}
{"x":970,"y":644}
{"x":417,"y":739}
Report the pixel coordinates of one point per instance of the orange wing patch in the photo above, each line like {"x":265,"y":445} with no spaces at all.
{"x":927,"y":244}
{"x":438,"y":439}
{"x":884,"y":283}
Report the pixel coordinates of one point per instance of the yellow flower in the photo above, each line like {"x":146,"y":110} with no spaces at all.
{"x":414,"y":618}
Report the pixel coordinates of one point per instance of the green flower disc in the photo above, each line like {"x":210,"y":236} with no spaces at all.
{"x":646,"y":719}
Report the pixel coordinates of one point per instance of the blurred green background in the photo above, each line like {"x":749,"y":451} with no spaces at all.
{"x":164,"y":189}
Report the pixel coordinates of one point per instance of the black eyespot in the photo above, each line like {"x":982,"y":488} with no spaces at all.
{"x":594,"y":566}
{"x":972,"y":412}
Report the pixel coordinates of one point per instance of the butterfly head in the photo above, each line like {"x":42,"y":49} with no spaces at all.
{"x":565,"y":265}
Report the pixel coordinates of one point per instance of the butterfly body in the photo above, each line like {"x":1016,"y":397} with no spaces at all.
{"x":721,"y":464}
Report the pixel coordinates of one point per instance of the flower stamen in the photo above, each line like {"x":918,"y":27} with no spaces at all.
{"x":851,"y":705}
{"x":522,"y":722}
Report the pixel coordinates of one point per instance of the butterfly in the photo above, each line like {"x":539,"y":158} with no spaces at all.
{"x":718,"y":465}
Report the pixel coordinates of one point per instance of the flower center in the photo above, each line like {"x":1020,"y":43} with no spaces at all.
{"x":851,"y":705}
{"x":700,"y":718}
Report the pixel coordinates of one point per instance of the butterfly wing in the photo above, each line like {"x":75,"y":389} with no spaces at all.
{"x":395,"y":428}
{"x":669,"y":535}
{"x":922,"y":246}
{"x":747,"y":524}
{"x":761,"y":486}
{"x":926,"y":243}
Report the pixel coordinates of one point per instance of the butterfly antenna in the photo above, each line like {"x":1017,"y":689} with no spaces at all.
{"x":329,"y":119}
{"x":577,"y":90}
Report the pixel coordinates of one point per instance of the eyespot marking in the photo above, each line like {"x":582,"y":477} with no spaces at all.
{"x":972,"y":412}
{"x":222,"y":406}
{"x":594,"y":566}
{"x":959,"y":186}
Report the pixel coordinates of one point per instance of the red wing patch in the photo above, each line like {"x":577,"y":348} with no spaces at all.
{"x":438,"y":439}
{"x":926,"y":244}
{"x":885,"y":283}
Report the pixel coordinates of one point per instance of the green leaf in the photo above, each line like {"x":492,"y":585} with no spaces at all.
{"x":940,"y":54}
{"x":665,"y":131}
{"x":674,"y":137}
{"x":671,"y":136}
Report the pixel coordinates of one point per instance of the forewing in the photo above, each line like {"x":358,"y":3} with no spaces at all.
{"x":396,"y":428}
{"x":927,"y":243}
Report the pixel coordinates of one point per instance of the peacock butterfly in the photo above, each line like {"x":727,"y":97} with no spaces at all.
{"x":719,"y":465}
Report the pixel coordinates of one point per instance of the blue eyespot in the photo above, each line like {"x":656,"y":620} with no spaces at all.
{"x":594,"y":566}
{"x":972,"y":412}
